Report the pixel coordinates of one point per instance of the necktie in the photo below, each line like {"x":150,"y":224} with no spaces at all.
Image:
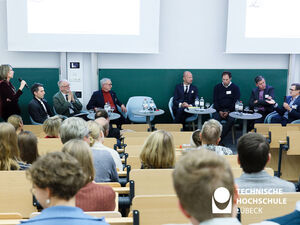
{"x":67,"y":97}
{"x":186,"y":89}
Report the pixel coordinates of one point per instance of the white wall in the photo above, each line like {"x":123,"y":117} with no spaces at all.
{"x":192,"y":35}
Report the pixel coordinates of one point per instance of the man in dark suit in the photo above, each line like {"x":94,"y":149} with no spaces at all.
{"x":258,"y":98}
{"x":290,"y":110}
{"x":65,"y":101}
{"x":38,"y":108}
{"x":185,"y":95}
{"x":106,"y":95}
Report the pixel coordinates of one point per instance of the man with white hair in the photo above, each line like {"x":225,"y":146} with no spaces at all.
{"x":65,"y":101}
{"x":105,"y":167}
{"x":106,"y":95}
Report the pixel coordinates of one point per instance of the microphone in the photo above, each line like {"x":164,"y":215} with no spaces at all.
{"x":20,"y":80}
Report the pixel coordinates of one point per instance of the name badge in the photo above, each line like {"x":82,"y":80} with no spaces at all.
{"x":294,"y":106}
{"x":228,"y":92}
{"x":192,"y":92}
{"x":266,"y":96}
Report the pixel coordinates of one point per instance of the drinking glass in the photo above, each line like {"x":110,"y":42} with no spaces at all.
{"x":207,"y":105}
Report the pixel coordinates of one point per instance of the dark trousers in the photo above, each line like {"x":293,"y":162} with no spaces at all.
{"x":227,"y":123}
{"x":180,"y":115}
{"x":279,"y":119}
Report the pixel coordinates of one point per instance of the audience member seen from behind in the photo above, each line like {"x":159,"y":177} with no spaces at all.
{"x":158,"y":151}
{"x":195,"y":139}
{"x":197,"y":177}
{"x":17,"y":122}
{"x":27,"y":143}
{"x":6,"y":146}
{"x":9,"y":96}
{"x":112,"y":132}
{"x":96,"y":142}
{"x":253,"y":155}
{"x":91,"y":197}
{"x":211,"y":136}
{"x":56,"y":178}
{"x":105,"y":167}
{"x":9,"y":147}
{"x":51,"y":126}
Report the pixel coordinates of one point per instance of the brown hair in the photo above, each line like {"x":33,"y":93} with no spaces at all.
{"x":59,"y":172}
{"x":9,"y":151}
{"x":80,"y":150}
{"x":196,"y":177}
{"x":158,"y":151}
{"x":4,"y":70}
{"x":27,"y":143}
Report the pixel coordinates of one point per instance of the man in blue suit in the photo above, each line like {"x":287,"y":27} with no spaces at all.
{"x":106,"y":95}
{"x":184,"y":97}
{"x":290,"y":110}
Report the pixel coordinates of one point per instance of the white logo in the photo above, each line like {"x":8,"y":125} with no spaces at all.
{"x":221,"y":196}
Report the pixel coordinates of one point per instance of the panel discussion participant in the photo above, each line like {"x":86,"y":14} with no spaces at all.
{"x":185,"y":95}
{"x":65,"y":101}
{"x":225,"y":96}
{"x":99,"y":98}
{"x":258,"y":98}
{"x":202,"y":181}
{"x":290,"y":109}
{"x":9,"y":96}
{"x":38,"y":108}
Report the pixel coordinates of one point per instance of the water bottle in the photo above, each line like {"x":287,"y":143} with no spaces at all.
{"x":202,"y":103}
{"x":106,"y":106}
{"x":197,"y":103}
{"x":152,"y":105}
{"x":145,"y":105}
{"x":241,"y":106}
{"x":237,"y":106}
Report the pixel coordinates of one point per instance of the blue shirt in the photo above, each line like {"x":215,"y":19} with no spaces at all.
{"x":64,"y":215}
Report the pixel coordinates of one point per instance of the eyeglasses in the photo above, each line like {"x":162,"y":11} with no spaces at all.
{"x":66,"y":85}
{"x":109,"y":84}
{"x":292,"y":89}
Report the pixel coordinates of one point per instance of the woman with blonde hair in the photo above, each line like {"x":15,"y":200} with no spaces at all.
{"x":51,"y":126}
{"x":56,"y":178}
{"x":27,"y":143}
{"x":158,"y":151}
{"x":96,"y":142}
{"x":17,"y":122}
{"x":9,"y":96}
{"x":92,"y":196}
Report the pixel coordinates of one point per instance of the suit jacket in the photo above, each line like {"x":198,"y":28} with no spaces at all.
{"x":179,"y":95}
{"x":62,"y":106}
{"x":7,"y":91}
{"x":295,"y":113}
{"x":262,"y":103}
{"x":37,"y":112}
{"x":97,"y":100}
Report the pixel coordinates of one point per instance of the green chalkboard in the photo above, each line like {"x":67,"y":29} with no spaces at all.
{"x":160,"y":83}
{"x":48,"y":77}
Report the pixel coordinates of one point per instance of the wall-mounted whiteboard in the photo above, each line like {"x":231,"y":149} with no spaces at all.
{"x":113,"y":26}
{"x":263,"y":26}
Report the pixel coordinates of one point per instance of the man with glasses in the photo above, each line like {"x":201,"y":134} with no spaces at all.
{"x":290,"y":110}
{"x":65,"y":101}
{"x":106,"y":95}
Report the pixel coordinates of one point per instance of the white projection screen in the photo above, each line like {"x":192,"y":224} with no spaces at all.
{"x":263,"y":26}
{"x":107,"y":26}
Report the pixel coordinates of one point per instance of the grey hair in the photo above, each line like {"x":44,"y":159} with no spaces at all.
{"x":73,"y":128}
{"x":103,"y":80}
{"x":60,"y":81}
{"x":211,"y":131}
